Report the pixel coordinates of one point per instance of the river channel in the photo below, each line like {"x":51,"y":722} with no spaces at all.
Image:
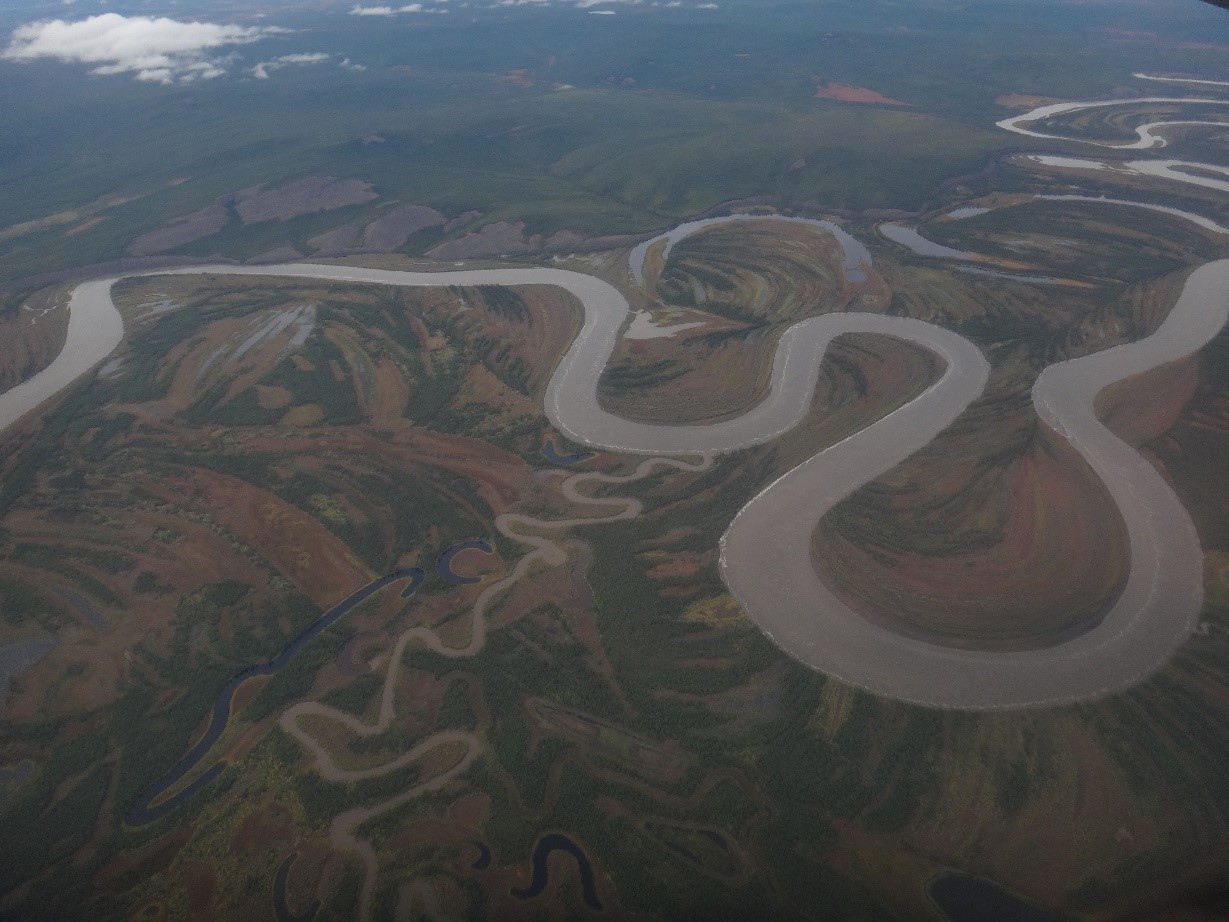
{"x":1146,"y":137}
{"x":765,"y":554}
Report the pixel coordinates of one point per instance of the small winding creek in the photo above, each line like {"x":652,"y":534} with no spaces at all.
{"x":145,"y":810}
{"x":557,"y":842}
{"x":281,"y":908}
{"x":443,"y":566}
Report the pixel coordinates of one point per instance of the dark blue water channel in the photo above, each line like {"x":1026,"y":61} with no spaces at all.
{"x":141,"y":812}
{"x":966,"y":898}
{"x":551,"y":454}
{"x":281,"y":908}
{"x":443,"y":565}
{"x":483,"y":861}
{"x":551,"y":842}
{"x":84,"y":606}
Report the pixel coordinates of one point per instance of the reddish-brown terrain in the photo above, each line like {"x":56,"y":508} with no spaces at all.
{"x":845,"y":92}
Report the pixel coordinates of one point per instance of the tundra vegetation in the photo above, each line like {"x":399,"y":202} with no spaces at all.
{"x":259,"y":449}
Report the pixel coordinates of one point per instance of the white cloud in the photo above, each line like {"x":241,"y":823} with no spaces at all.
{"x":155,"y":50}
{"x":314,"y":57}
{"x":346,"y":64}
{"x":391,"y":11}
{"x":262,"y":70}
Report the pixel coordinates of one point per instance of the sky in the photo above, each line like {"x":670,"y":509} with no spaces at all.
{"x":167,"y":50}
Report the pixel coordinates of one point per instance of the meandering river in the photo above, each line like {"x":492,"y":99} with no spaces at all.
{"x":765,"y":553}
{"x":1145,"y":136}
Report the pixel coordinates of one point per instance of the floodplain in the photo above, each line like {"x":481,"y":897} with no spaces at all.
{"x":311,"y":610}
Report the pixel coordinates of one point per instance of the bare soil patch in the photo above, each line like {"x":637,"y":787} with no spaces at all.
{"x":338,"y":240}
{"x":84,"y":226}
{"x":301,"y":197}
{"x":465,"y":217}
{"x":253,"y":206}
{"x":845,"y":92}
{"x":182,"y":230}
{"x":499,"y":239}
{"x":387,"y":233}
{"x":1020,"y":101}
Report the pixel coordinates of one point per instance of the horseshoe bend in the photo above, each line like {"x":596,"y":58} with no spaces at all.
{"x":766,"y":552}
